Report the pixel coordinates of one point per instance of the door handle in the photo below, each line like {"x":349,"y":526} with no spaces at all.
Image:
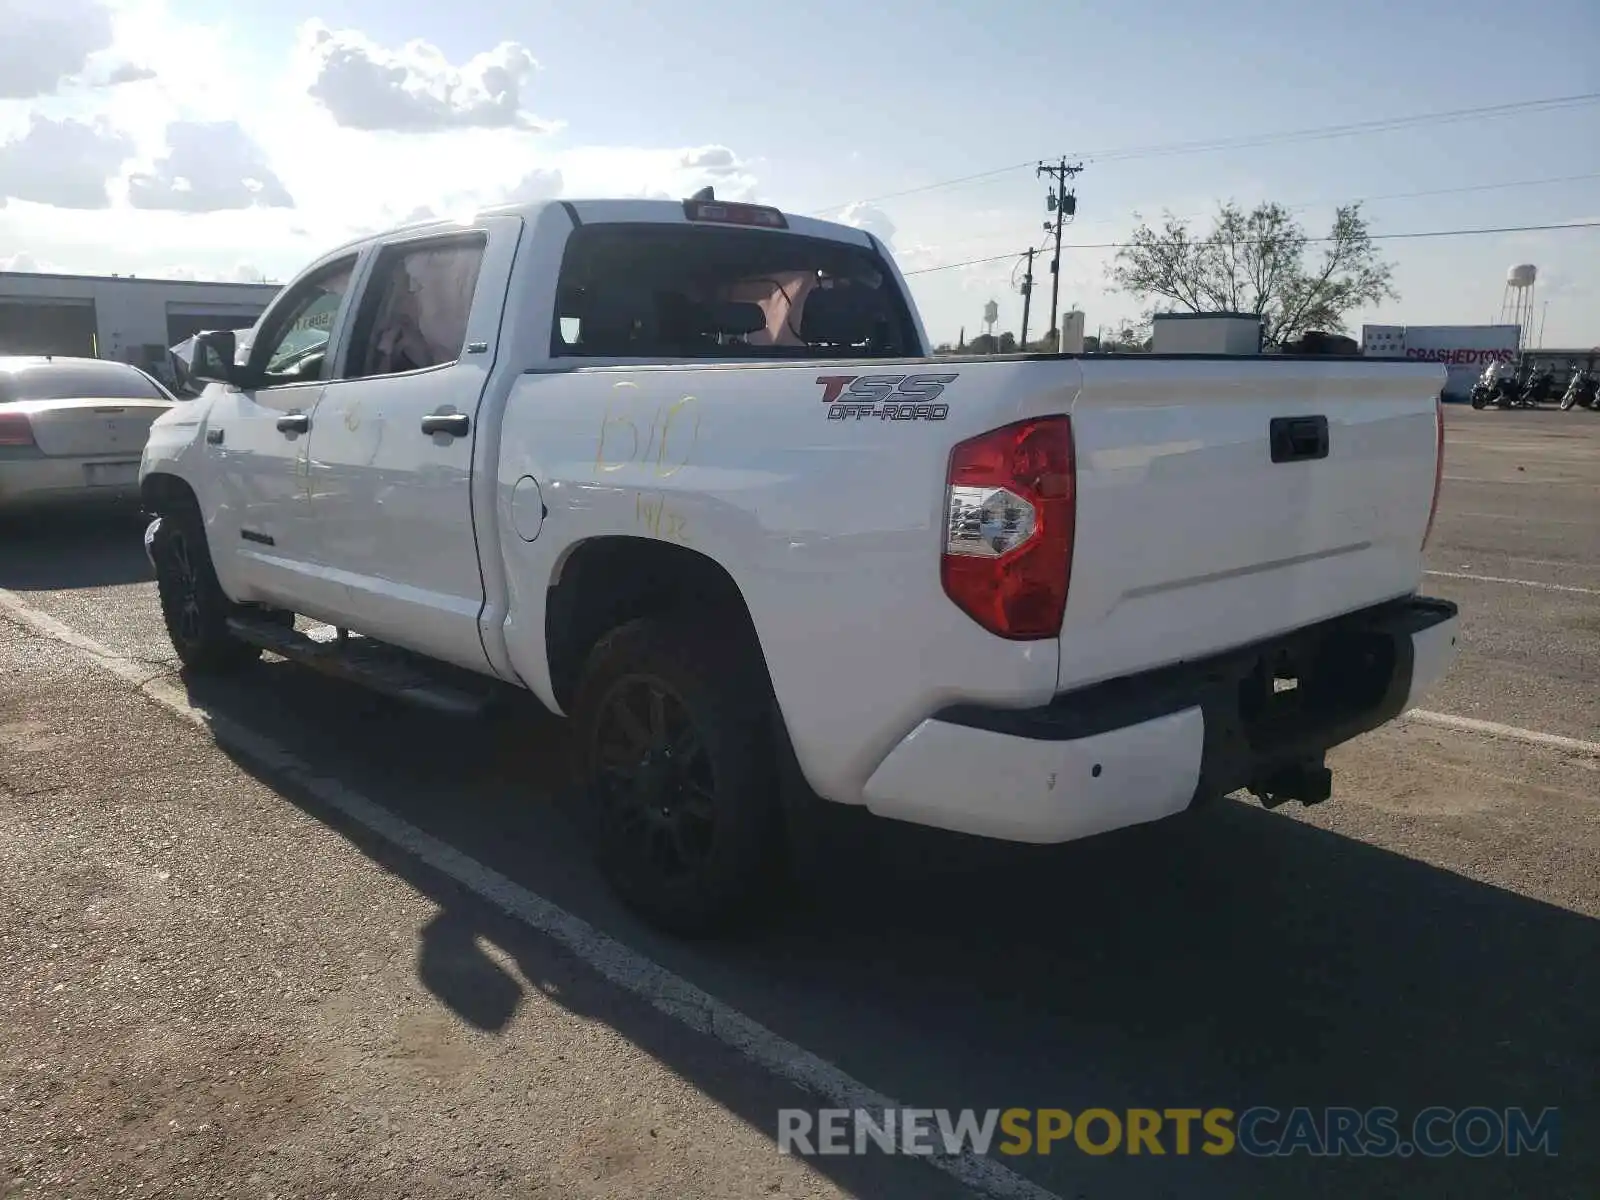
{"x":450,"y":424}
{"x":294,"y":423}
{"x":1297,"y":439}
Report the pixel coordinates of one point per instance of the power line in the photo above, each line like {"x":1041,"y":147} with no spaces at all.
{"x":1248,"y":141}
{"x":971,"y":262}
{"x":1382,"y":125}
{"x":1302,"y":205}
{"x":1471,"y":187}
{"x":1376,"y":237}
{"x":927,"y":187}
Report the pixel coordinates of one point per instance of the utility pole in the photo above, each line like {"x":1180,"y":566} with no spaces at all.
{"x":1062,"y":204}
{"x":1027,"y":299}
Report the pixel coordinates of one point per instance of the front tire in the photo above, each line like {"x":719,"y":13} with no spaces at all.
{"x":193,"y":604}
{"x":676,"y":750}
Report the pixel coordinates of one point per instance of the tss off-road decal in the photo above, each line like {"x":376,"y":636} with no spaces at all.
{"x":887,"y":397}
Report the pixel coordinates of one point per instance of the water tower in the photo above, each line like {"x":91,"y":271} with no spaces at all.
{"x":991,"y":314}
{"x":1516,"y":303}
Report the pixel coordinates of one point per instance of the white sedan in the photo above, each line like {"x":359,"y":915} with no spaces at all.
{"x":73,"y":429}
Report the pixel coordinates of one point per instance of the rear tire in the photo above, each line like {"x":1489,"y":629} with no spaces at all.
{"x":193,"y":604}
{"x":680,"y":783}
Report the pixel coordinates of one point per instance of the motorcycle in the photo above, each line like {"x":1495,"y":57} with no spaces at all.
{"x":1502,"y":392}
{"x":1581,"y":389}
{"x":1536,"y":389}
{"x":1497,"y":387}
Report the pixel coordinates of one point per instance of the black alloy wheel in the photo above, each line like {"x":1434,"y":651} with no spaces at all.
{"x":193,"y":604}
{"x":188,"y":625}
{"x":674,"y":741}
{"x":656,"y":786}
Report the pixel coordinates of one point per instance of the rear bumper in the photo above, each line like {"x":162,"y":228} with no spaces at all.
{"x":41,"y":481}
{"x":1148,"y":746}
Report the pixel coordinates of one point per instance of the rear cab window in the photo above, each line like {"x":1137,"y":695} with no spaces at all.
{"x":668,"y":291}
{"x":77,"y":381}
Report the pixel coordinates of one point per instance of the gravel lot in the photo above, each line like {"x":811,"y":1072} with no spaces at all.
{"x":221,"y":985}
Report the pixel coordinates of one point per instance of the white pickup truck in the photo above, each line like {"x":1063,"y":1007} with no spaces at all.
{"x":687,"y":473}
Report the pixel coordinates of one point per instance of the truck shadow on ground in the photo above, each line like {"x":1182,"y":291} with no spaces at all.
{"x":80,"y":547}
{"x":1230,"y":957}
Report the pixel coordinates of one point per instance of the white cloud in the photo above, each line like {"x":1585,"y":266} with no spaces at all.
{"x":712,"y":160}
{"x":239,"y":273}
{"x":869,"y":217}
{"x":127,"y":72}
{"x":179,"y":69}
{"x":414,"y":89}
{"x":43,"y":43}
{"x":989,"y":277}
{"x":916,"y":257}
{"x":210,"y":166}
{"x":538,"y":184}
{"x":204,"y":147}
{"x":63,"y":163}
{"x":21,"y":261}
{"x":635,"y":172}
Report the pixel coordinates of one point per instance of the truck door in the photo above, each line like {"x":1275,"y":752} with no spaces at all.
{"x":259,"y":438}
{"x":391,"y":457}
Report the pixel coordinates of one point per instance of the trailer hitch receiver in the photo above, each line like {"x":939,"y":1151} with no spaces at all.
{"x":1309,"y":782}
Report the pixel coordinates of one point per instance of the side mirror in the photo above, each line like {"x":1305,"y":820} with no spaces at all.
{"x":214,"y":353}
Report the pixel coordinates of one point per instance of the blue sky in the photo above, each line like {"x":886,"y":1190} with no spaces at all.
{"x":831,"y":102}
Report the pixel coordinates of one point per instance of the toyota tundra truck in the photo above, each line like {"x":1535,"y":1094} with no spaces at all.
{"x":688,"y":473}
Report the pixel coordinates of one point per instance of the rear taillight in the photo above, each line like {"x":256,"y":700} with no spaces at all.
{"x":1012,"y":505}
{"x":15,"y":429}
{"x":1438,"y":468}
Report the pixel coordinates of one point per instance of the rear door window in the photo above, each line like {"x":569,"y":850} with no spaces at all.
{"x":675,"y":292}
{"x":414,"y":313}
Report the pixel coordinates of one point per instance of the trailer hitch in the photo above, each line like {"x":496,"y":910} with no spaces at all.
{"x":1309,"y":782}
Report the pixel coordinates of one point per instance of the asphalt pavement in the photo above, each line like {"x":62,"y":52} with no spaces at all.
{"x":198,"y":938}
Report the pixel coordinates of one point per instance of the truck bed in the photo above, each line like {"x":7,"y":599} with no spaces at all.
{"x":1189,"y":539}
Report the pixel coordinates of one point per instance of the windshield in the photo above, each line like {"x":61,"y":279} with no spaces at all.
{"x":82,"y":380}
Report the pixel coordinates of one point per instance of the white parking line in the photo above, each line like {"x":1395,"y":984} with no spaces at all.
{"x":668,"y":993}
{"x":1533,"y":737}
{"x":1533,"y":583}
{"x":1501,"y":516}
{"x":1522,"y":478}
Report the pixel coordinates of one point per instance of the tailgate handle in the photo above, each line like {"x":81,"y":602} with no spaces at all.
{"x":1297,"y":439}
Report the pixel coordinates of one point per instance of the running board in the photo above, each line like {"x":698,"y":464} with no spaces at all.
{"x":375,"y":665}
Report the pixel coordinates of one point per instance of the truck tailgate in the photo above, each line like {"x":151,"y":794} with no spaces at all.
{"x":1194,"y":534}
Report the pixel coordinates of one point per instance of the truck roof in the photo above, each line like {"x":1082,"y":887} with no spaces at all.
{"x":620,"y":211}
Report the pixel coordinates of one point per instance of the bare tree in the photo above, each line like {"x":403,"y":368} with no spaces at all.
{"x":1130,"y":337}
{"x":1257,"y":262}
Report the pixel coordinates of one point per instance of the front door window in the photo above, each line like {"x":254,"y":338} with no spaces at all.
{"x":293,"y":347}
